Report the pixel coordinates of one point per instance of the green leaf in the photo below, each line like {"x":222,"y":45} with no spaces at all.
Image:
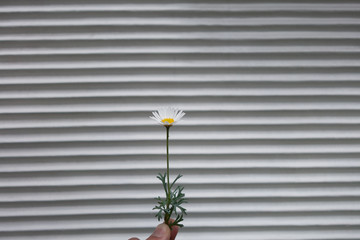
{"x":162,"y":179}
{"x":177,"y":178}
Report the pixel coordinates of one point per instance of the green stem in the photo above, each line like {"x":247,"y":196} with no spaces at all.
{"x":167,"y":217}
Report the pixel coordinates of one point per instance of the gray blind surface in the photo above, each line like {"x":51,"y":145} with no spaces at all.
{"x":269,"y":148}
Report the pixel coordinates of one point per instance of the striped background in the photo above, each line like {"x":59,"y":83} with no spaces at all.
{"x":269,"y":148}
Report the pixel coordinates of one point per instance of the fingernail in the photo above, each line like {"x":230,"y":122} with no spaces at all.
{"x":160,"y":230}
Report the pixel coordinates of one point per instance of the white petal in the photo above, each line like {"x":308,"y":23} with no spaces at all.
{"x":156,"y":114}
{"x":155,"y":119}
{"x":162,"y":113}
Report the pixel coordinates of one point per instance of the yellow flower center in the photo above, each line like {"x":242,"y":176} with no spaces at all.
{"x":168,"y":121}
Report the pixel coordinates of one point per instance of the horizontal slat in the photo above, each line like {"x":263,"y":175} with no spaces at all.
{"x":200,"y":221}
{"x":174,"y":46}
{"x":181,"y":14}
{"x":188,"y":7}
{"x":129,"y":21}
{"x":139,"y":133}
{"x":179,"y":89}
{"x":224,"y":176}
{"x":219,"y":207}
{"x":84,"y":148}
{"x":37,"y":78}
{"x":201,"y":57}
{"x":52,"y":120}
{"x":180,"y":64}
{"x":130,"y":193}
{"x":275,"y":35}
{"x":220,"y":74}
{"x":128,"y":104}
{"x":6,"y":52}
{"x":254,"y":233}
{"x":179,"y":162}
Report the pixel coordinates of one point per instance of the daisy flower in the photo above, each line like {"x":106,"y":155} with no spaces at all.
{"x":167,"y":116}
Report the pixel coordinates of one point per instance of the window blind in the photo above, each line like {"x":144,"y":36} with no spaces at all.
{"x":269,"y":148}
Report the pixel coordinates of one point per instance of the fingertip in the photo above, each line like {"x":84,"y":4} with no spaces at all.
{"x":162,"y":232}
{"x":174,"y":232}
